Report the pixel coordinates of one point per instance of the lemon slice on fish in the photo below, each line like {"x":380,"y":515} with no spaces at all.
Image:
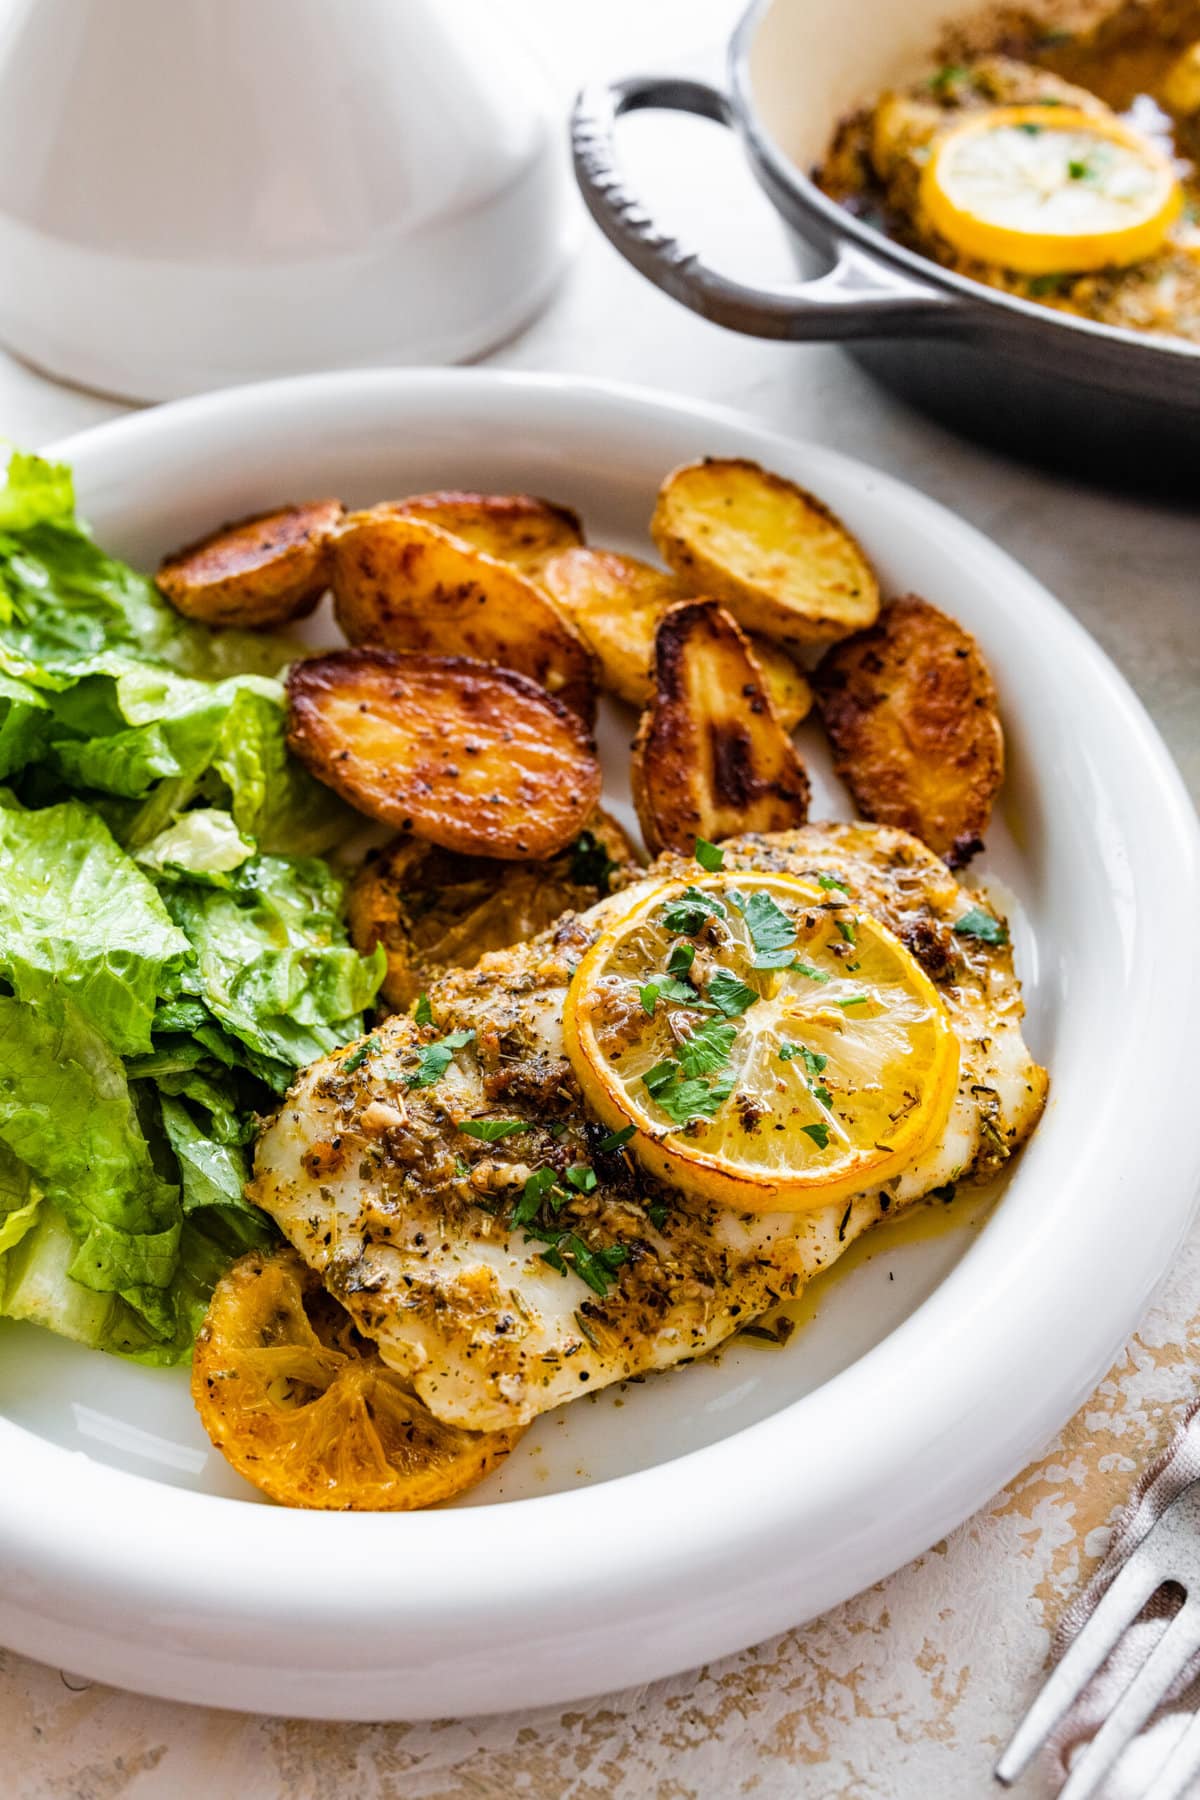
{"x":303,"y":1407}
{"x":1044,"y":190}
{"x":771,"y":1045}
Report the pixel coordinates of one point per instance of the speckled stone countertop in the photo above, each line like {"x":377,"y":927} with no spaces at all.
{"x":908,"y":1691}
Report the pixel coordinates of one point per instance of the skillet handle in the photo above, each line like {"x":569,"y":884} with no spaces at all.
{"x":857,"y":298}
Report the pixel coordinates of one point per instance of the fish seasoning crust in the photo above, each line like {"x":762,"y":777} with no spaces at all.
{"x":505,"y":1251}
{"x":911,"y":713}
{"x":434,"y":909}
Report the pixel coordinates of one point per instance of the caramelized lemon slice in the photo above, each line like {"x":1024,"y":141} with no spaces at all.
{"x":303,"y":1407}
{"x":773,"y":1046}
{"x":1048,"y":189}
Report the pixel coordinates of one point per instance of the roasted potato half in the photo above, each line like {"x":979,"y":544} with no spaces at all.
{"x":776,"y":556}
{"x":711,"y":759}
{"x":472,"y":758}
{"x":616,"y":603}
{"x":911,"y":714}
{"x":256,"y":572}
{"x":401,"y":583}
{"x":303,"y":1406}
{"x":520,"y":529}
{"x":432,"y":908}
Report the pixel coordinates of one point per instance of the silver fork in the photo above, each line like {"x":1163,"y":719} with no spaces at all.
{"x":1170,"y":1552}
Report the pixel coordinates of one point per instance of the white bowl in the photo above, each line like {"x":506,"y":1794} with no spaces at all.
{"x":710,"y":1507}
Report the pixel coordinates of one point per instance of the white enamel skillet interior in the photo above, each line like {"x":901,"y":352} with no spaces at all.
{"x":725,"y":1518}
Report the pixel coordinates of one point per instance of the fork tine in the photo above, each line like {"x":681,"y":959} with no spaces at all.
{"x":1175,"y":1779}
{"x":1169,"y":1657}
{"x":1120,"y":1605}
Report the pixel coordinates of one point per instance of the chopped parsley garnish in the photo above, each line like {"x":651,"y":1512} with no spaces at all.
{"x":771,"y":931}
{"x":948,"y":77}
{"x":728,"y":994}
{"x":979,"y":924}
{"x":434,"y":1059}
{"x":832,"y":881}
{"x":1029,"y":128}
{"x":422,"y":1011}
{"x":359,"y":1055}
{"x":656,"y":1212}
{"x":462,"y":1170}
{"x":812,"y":974}
{"x":596,"y":1267}
{"x":818,"y":1133}
{"x":707,"y":1050}
{"x":848,"y":929}
{"x":1079,"y":171}
{"x":1042,"y":285}
{"x":537,"y":1186}
{"x":591,"y":865}
{"x":681,"y":959}
{"x":708,"y":856}
{"x":813,"y":1065}
{"x":614,"y":1139}
{"x":581,"y":1178}
{"x":685,"y":1098}
{"x":667,"y":988}
{"x":490,"y":1131}
{"x":686,"y":914}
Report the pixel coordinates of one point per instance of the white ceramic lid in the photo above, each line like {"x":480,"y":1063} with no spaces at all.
{"x":205,"y":192}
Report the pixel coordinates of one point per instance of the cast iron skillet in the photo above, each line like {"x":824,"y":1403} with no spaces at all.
{"x":1115,"y":404}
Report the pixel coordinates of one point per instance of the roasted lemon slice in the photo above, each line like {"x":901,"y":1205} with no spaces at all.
{"x":303,"y":1407}
{"x":772,"y":1045}
{"x":1049,"y":189}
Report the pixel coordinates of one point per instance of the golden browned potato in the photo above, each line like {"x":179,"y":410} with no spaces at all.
{"x":401,"y":583}
{"x":777,"y":557}
{"x":256,"y":572}
{"x":616,"y":603}
{"x":432,"y":908}
{"x":711,"y":759}
{"x":520,"y":529}
{"x":911,"y":713}
{"x":304,"y":1407}
{"x":473,"y":758}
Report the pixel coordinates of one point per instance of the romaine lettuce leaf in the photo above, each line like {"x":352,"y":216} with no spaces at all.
{"x":24,"y":724}
{"x":274,"y":966}
{"x":205,"y":845}
{"x":63,"y":599}
{"x":78,"y":916}
{"x":67,"y":1112}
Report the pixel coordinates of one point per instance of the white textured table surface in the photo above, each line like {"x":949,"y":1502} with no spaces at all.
{"x":908,"y":1691}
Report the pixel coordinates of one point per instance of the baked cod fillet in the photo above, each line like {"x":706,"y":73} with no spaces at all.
{"x":406,"y":1217}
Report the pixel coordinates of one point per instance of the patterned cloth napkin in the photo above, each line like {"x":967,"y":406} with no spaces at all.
{"x":1176,"y":1468}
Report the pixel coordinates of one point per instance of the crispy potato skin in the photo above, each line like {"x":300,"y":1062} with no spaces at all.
{"x":616,"y":603}
{"x":776,"y":556}
{"x":433,"y":909}
{"x":520,"y":529}
{"x":711,"y":759}
{"x":256,"y":572}
{"x":911,"y":713}
{"x":403,"y":583}
{"x":473,"y":758}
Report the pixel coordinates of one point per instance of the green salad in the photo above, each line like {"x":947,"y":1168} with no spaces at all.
{"x":172,"y":945}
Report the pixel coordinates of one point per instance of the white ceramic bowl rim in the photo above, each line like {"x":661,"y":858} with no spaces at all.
{"x":899,"y":1431}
